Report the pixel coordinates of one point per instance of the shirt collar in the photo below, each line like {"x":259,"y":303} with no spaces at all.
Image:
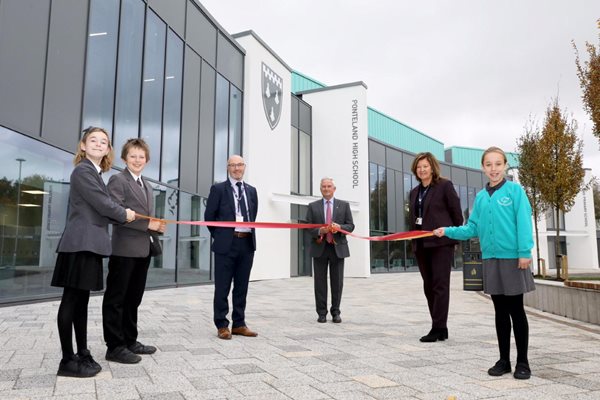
{"x":233,"y":182}
{"x":135,"y":177}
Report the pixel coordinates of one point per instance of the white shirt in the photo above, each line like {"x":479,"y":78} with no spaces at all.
{"x":238,"y":209}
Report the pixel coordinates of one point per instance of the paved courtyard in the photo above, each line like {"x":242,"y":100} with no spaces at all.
{"x":374,"y":354}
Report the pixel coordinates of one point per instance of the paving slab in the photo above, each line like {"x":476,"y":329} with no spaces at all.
{"x":375,"y":353}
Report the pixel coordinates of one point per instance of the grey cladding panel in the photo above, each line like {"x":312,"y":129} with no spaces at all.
{"x":294,"y":111}
{"x":393,"y":159}
{"x":407,"y":161}
{"x":376,"y":153}
{"x":201,"y":34}
{"x":304,"y":118}
{"x":172,"y":12}
{"x":446,"y":171}
{"x":459,"y":176}
{"x":230,"y":62}
{"x":23,"y":40}
{"x":189,"y":118}
{"x":475,"y":179}
{"x":65,"y":73}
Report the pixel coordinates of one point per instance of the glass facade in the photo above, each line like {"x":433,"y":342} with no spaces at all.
{"x":389,"y":193}
{"x":133,"y":86}
{"x":300,"y":183}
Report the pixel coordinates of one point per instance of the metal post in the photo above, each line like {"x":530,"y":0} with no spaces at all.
{"x":20,"y":160}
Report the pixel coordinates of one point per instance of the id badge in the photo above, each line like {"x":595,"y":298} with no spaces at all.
{"x":419,"y":221}
{"x":239,"y":218}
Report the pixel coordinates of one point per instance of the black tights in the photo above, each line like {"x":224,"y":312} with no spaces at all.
{"x":73,"y":313}
{"x":507,"y":308}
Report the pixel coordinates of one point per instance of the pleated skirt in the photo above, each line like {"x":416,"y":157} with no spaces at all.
{"x":80,"y":270}
{"x":503,"y":276}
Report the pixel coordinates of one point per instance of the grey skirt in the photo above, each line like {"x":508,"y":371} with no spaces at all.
{"x":503,"y":276}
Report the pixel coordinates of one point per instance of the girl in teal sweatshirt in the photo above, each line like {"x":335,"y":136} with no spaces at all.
{"x":501,"y":218}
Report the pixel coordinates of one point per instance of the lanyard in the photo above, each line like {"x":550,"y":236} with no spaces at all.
{"x":420,"y":198}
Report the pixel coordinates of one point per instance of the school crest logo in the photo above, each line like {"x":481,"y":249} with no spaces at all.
{"x":272,"y":90}
{"x":505,"y":201}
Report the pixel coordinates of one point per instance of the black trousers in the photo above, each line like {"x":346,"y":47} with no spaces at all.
{"x":125,"y":286}
{"x":511,"y":308}
{"x":336,"y":276}
{"x":435,"y":264}
{"x":232,"y":267}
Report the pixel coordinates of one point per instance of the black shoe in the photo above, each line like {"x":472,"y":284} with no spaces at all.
{"x":139,"y":348}
{"x":86,"y":358}
{"x":435,"y":334}
{"x":74,"y":368}
{"x":123,"y":355}
{"x":337,"y":319}
{"x":322,"y":319}
{"x":500,"y":368}
{"x":522,"y":371}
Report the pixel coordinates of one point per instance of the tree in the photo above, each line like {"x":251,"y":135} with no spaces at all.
{"x":561,"y":166}
{"x":589,"y":80}
{"x":530,"y":175}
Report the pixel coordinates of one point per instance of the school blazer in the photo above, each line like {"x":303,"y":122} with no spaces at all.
{"x":90,"y":211}
{"x":441,"y":208}
{"x":132,"y":239}
{"x":220,"y":206}
{"x":341,"y":215}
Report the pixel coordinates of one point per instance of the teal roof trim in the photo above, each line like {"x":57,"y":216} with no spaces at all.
{"x":471,"y":157}
{"x":395,"y":133}
{"x":301,"y":82}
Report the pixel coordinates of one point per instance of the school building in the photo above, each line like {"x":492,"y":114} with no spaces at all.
{"x":166,"y":71}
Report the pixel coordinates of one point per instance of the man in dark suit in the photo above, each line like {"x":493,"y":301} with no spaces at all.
{"x":329,"y":247}
{"x":130,"y":259}
{"x":232,"y":200}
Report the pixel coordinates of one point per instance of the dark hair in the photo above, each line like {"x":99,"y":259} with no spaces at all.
{"x":107,"y":160}
{"x":135,"y":143}
{"x":435,"y":166}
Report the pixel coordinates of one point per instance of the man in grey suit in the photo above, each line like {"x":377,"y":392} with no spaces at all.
{"x":130,"y":259}
{"x":329,"y":247}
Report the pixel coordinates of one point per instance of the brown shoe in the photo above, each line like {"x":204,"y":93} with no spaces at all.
{"x":224,"y":333}
{"x":244,"y":331}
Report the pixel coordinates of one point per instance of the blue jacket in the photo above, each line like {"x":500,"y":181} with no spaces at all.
{"x":501,"y":221}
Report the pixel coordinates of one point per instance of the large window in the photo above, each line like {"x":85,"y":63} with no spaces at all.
{"x":172,"y":110}
{"x":100,"y":67}
{"x":34,"y":192}
{"x":193,"y":253}
{"x":301,"y":148}
{"x":228,"y":126}
{"x":152,"y":89}
{"x":129,"y":72}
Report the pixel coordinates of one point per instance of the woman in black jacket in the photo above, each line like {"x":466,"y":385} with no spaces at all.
{"x":434,"y":203}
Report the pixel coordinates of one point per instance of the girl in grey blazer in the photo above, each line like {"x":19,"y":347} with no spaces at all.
{"x":85,"y":241}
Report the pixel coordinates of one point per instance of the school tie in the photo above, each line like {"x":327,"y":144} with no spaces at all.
{"x":242,"y":202}
{"x":139,"y":182}
{"x":329,"y":236}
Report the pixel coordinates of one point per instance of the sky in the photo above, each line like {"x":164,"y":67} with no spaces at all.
{"x":465,"y":72}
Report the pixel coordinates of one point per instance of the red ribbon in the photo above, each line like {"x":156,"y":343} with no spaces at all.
{"x":280,"y":225}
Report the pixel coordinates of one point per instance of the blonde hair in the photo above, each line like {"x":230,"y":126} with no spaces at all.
{"x":106,"y":161}
{"x":494,"y":149}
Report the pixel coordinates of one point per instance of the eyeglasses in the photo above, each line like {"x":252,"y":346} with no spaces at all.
{"x":238,"y":165}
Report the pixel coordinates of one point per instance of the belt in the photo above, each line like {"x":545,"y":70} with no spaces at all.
{"x":241,"y":234}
